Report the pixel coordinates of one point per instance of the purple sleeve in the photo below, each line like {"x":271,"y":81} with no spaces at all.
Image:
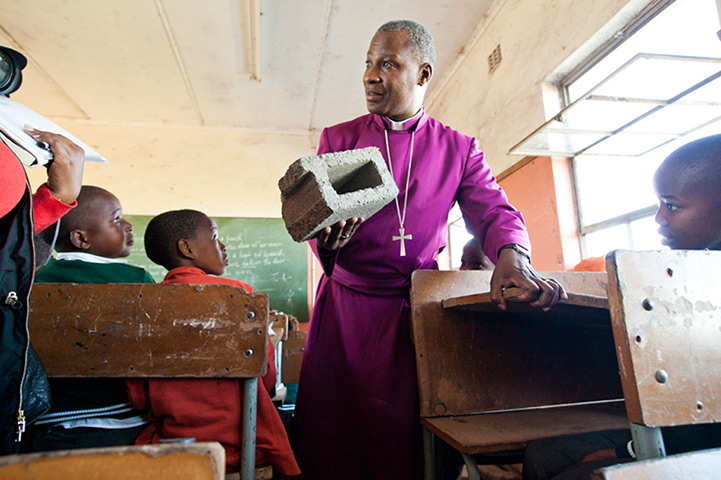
{"x":324,"y":143}
{"x":486,"y":211}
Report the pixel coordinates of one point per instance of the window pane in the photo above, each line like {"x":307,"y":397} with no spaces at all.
{"x":631,"y":144}
{"x":686,"y":27}
{"x":657,"y":78}
{"x":457,"y":237}
{"x":598,"y":244}
{"x":711,"y":92}
{"x":611,"y":186}
{"x":557,"y":144}
{"x":604,"y":115}
{"x":677,"y":119}
{"x":645,"y":235}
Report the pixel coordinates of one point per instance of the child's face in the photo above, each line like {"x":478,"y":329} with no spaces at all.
{"x":473,"y":258}
{"x":109,"y":234}
{"x":689,"y":218}
{"x":210,"y":255}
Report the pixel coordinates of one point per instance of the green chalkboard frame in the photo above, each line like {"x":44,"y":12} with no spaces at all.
{"x":261,"y":253}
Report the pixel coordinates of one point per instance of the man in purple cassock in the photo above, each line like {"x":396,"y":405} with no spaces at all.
{"x":357,"y":411}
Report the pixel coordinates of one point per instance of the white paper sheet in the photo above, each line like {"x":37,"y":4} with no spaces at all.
{"x":15,"y":116}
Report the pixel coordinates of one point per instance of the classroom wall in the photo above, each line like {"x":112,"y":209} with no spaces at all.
{"x":539,"y":39}
{"x":541,"y":189}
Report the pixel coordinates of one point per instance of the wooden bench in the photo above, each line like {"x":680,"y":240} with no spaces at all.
{"x":492,"y":381}
{"x":199,"y":461}
{"x":146,"y":330}
{"x":666,"y":312}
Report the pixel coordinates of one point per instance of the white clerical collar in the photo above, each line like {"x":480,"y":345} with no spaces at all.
{"x":88,"y":257}
{"x":396,"y":126}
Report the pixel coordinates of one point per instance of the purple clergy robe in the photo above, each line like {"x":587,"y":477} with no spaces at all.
{"x":357,"y":413}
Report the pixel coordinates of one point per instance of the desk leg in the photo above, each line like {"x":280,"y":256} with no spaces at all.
{"x":472,"y":467}
{"x":429,"y":455}
{"x":250,"y":407}
{"x":647,"y":442}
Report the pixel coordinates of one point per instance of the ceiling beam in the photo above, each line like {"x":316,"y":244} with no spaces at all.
{"x":253,"y":7}
{"x":321,"y":50}
{"x":179,"y":59}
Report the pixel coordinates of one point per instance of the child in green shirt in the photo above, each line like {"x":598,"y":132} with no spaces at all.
{"x":92,"y":242}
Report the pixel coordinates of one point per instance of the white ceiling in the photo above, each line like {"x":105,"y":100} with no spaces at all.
{"x":187,"y":62}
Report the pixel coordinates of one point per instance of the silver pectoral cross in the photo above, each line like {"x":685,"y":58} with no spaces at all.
{"x":403,"y":239}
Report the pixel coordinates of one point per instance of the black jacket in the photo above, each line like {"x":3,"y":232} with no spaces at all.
{"x":16,"y":277}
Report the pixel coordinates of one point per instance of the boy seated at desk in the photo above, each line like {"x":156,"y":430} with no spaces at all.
{"x":92,"y":241}
{"x":688,"y":187}
{"x":186,"y":243}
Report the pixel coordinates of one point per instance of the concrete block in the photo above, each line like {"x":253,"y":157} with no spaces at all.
{"x":318,"y":191}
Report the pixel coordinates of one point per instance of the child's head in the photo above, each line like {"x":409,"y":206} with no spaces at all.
{"x":688,"y":186}
{"x":96,"y":225}
{"x":473,"y":257}
{"x":185,"y":238}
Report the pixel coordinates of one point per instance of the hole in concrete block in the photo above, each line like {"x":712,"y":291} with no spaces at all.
{"x":352,"y":178}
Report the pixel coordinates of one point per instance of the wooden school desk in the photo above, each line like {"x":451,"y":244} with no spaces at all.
{"x":492,"y":381}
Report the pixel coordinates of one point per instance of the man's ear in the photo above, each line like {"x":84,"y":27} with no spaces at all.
{"x":185,"y":249}
{"x":425,"y":74}
{"x":79,"y":239}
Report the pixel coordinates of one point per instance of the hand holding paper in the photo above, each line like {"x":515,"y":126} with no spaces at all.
{"x":65,"y":171}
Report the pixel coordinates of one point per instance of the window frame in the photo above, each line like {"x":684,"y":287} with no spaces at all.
{"x":650,"y":12}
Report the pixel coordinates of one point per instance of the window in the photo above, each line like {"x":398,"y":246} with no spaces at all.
{"x":640,"y":99}
{"x":457,"y":238}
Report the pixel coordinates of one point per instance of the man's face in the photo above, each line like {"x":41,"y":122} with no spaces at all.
{"x":393,"y":77}
{"x":689,"y":217}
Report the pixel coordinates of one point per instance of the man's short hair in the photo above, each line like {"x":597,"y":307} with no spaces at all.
{"x":165,"y":230}
{"x":421,"y":40}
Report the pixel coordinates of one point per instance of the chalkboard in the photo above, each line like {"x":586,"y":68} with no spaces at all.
{"x":261,"y":253}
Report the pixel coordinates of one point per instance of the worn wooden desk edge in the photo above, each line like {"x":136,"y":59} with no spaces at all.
{"x":482,"y":434}
{"x":512,"y":294}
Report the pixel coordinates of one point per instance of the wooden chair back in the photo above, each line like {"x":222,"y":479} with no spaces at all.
{"x":293,"y":349}
{"x":149,"y":330}
{"x":666,"y":313}
{"x":156,"y":330}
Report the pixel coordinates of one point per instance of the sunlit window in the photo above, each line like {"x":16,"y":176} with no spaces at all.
{"x":457,"y":238}
{"x":675,"y":56}
{"x":654,"y":89}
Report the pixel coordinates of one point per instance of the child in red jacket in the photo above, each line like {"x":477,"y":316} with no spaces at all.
{"x":186,"y":243}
